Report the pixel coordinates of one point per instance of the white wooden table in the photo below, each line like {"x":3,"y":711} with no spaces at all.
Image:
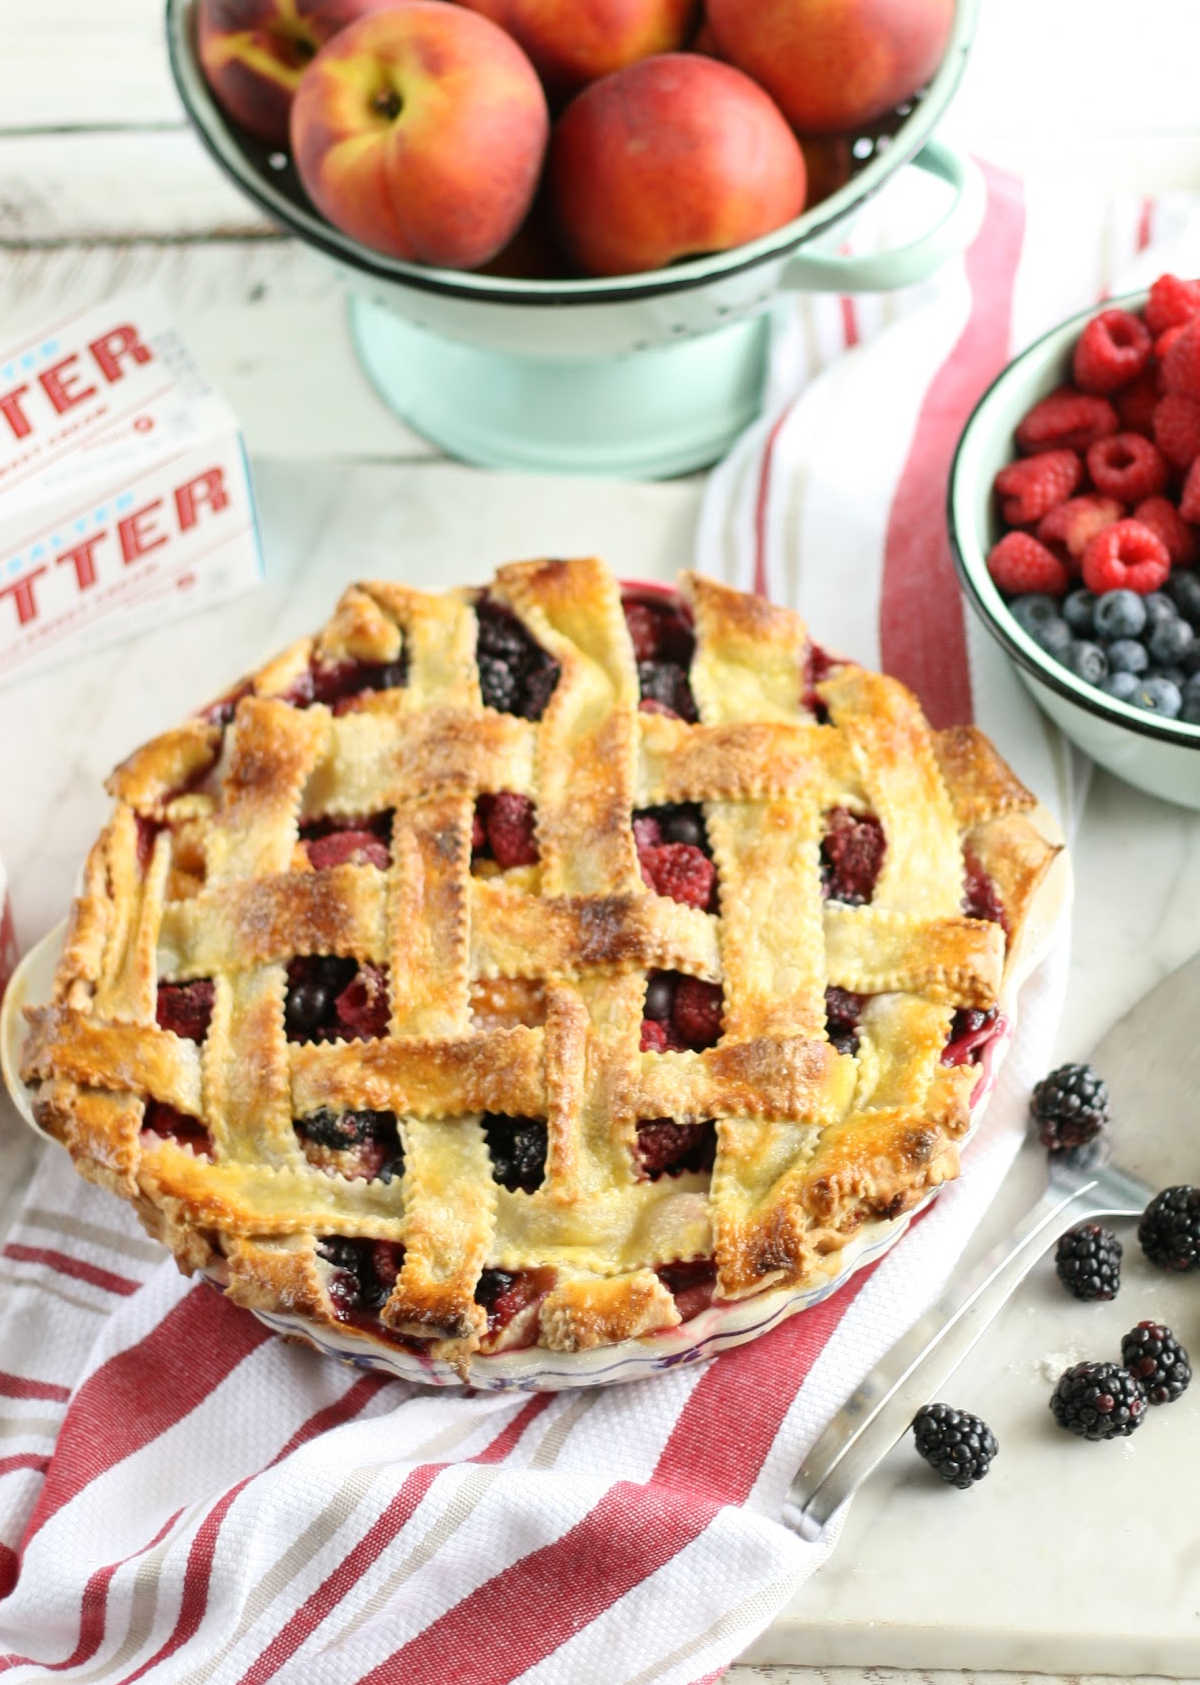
{"x":103,"y":186}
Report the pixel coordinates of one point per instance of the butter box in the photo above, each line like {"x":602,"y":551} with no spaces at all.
{"x":125,"y":495}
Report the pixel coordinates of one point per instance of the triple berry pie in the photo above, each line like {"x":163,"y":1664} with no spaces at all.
{"x":541,"y":964}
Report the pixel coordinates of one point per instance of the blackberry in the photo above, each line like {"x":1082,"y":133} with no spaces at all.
{"x":1157,"y":1362}
{"x":1170,"y":1229}
{"x":499,"y":684}
{"x":518,"y":1149}
{"x":1088,"y":1262}
{"x":957,"y":1446}
{"x":667,"y":682}
{"x":1098,"y":1401}
{"x":843,"y":1009}
{"x":540,"y":685}
{"x":314,"y":984}
{"x":1070,"y":1106}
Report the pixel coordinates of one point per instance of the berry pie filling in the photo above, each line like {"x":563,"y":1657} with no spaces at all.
{"x":664,"y":643}
{"x":362,"y":1146}
{"x":518,"y":1151}
{"x":512,"y":1299}
{"x":503,"y":833}
{"x":668,"y":1148}
{"x":185,"y":1008}
{"x":843,"y":1013}
{"x":970,"y":1031}
{"x":981,"y":900}
{"x":348,"y":842}
{"x":818,"y":665}
{"x":342,"y":684}
{"x":363,"y":1275}
{"x":516,"y":676}
{"x":852,"y":852}
{"x":674,"y":854}
{"x":334,"y":999}
{"x":680,"y":1013}
{"x":171,"y":1125}
{"x":692,"y":1285}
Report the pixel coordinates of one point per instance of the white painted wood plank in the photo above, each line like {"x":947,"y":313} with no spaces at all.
{"x":80,"y":63}
{"x":265,"y":320}
{"x":123,"y":185}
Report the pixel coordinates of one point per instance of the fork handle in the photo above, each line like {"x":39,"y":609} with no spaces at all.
{"x":881,"y":1409}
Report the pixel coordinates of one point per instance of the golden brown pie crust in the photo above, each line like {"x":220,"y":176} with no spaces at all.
{"x":811,"y":1142}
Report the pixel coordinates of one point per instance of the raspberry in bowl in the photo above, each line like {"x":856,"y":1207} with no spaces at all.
{"x":1074,"y":514}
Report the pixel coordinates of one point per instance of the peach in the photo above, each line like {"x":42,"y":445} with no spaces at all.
{"x":421,"y":131}
{"x":833,"y":65}
{"x":572,"y":42}
{"x":253,"y":53}
{"x":671,"y":157}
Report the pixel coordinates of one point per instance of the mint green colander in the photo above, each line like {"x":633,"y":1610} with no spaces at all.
{"x":639,"y":375}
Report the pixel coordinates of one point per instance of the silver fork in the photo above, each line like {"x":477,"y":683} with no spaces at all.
{"x":879,"y":1411}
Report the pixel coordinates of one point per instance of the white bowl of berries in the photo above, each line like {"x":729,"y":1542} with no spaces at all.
{"x":1074,"y":513}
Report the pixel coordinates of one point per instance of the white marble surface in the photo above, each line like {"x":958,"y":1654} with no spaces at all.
{"x":1018,"y":1573}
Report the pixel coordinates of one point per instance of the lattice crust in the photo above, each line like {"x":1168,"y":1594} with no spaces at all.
{"x":810,"y":1141}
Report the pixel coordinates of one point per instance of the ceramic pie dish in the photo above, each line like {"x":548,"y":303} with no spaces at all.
{"x":541,"y":985}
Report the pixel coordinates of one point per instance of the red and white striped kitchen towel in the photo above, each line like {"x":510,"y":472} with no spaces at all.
{"x":186,"y":1498}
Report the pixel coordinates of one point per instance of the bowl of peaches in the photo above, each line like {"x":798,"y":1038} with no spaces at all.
{"x":564,"y":227}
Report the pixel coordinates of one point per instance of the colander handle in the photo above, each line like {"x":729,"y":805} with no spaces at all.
{"x":877,"y":272}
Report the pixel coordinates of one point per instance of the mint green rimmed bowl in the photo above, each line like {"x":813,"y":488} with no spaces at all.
{"x":1157,"y":755}
{"x":639,"y":375}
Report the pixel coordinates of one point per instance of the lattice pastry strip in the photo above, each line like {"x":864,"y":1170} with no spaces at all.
{"x":257,"y":838}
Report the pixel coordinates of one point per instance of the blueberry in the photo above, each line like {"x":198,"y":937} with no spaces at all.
{"x":1169,"y":639}
{"x":1120,"y":684}
{"x":1077,"y":610}
{"x":1159,"y":609}
{"x":1033,"y":609}
{"x":1173,"y":675}
{"x":1120,"y":614}
{"x":1127,"y":655}
{"x":308,"y":1006}
{"x":1183,"y":586}
{"x":1054,"y":636}
{"x":660,"y":997}
{"x":1190,"y":659}
{"x":1087,"y":661}
{"x":1190,"y":712}
{"x":683,"y":825}
{"x":1158,"y":696}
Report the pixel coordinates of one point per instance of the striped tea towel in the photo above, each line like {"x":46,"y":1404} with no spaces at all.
{"x":186,"y":1498}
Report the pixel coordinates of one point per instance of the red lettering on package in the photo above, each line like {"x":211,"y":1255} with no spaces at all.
{"x":22,"y":594}
{"x":70,"y":381}
{"x":57,"y":384}
{"x":136,"y":535}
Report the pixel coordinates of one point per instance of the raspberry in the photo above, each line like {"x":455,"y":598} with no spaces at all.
{"x":644,"y":631}
{"x":1074,"y":523}
{"x":1127,"y":466}
{"x":1066,"y":420}
{"x":1171,"y":303}
{"x":852,"y":851}
{"x":185,"y":1008}
{"x":696,"y":1014}
{"x":659,"y":1038}
{"x":1111,"y":351}
{"x":339,"y":848}
{"x":1162,"y":517}
{"x":1177,"y":429}
{"x":163,"y":1120}
{"x":478,"y":832}
{"x":1181,"y":363}
{"x":664,"y":1146}
{"x":681,"y":871}
{"x":1189,"y":499}
{"x":1126,"y":556}
{"x":1135,"y":403}
{"x":647,"y":831}
{"x":362,"y":1007}
{"x":1033,"y":486}
{"x":1162,"y":350}
{"x":510,"y":829}
{"x":1018,"y":563}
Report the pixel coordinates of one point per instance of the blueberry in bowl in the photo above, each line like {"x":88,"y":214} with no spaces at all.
{"x":1074,"y":516}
